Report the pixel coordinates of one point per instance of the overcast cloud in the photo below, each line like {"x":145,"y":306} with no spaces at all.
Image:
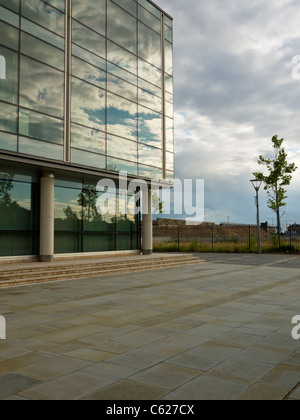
{"x":233,"y":91}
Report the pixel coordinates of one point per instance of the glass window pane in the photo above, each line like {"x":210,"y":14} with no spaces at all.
{"x":42,"y":33}
{"x":88,"y":39}
{"x":168,"y":21}
{"x":129,"y":5}
{"x":8,"y":117}
{"x":88,"y":139}
{"x":149,"y":19}
{"x":11,"y":4}
{"x":169,"y":109}
{"x":126,"y":241}
{"x":59,"y":4}
{"x":170,"y":161}
{"x":99,"y":242}
{"x":150,"y":156}
{"x":42,"y":51}
{"x":170,"y":176}
{"x":151,"y":173}
{"x":15,"y":205}
{"x":8,"y":16}
{"x":88,"y":105}
{"x":9,"y":36}
{"x":168,"y":57}
{"x":149,"y":87}
{"x":41,"y":149}
{"x":87,"y":56}
{"x":121,"y":27}
{"x":119,"y":86}
{"x":169,"y":83}
{"x":92,"y":160}
{"x":99,"y":212}
{"x":18,"y":243}
{"x":68,"y":220}
{"x":150,"y":127}
{"x":9,"y":75}
{"x":149,"y":100}
{"x":88,"y":200}
{"x":151,"y":8}
{"x":8,"y":142}
{"x":169,"y":134}
{"x":41,"y":127}
{"x":121,"y":57}
{"x":123,"y":74}
{"x":117,"y":165}
{"x":149,"y":45}
{"x":121,"y":117}
{"x":44,"y":15}
{"x":91,"y":13}
{"x":127,"y":220}
{"x":150,"y":73}
{"x":168,"y":33}
{"x":124,"y":149}
{"x":88,"y":73}
{"x":41,"y":88}
{"x":169,"y":97}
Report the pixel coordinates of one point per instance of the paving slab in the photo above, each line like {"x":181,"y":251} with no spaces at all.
{"x":221,"y":330}
{"x":128,"y":390}
{"x":206,"y":388}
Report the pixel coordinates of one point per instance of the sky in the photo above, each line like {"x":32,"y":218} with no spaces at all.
{"x":234,"y":90}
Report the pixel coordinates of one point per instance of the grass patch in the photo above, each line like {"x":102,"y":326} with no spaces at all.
{"x":230,"y":246}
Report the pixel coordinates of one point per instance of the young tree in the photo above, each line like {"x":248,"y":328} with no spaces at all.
{"x":279,"y":176}
{"x":87,"y":199}
{"x":6,"y":186}
{"x":157,"y":203}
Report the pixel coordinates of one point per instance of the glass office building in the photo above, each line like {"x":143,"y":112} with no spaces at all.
{"x":86,"y":92}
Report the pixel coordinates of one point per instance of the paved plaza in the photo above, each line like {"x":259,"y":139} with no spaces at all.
{"x":218,"y":330}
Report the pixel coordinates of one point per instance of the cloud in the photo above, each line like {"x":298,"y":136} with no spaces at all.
{"x":233,"y":91}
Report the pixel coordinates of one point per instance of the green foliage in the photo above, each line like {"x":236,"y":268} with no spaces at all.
{"x":280,"y":174}
{"x":6,"y":186}
{"x":157,"y":204}
{"x":268,"y":246}
{"x":87,"y":199}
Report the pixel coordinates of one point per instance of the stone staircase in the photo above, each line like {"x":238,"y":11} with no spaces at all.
{"x":42,"y":273}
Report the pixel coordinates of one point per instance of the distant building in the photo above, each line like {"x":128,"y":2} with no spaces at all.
{"x":295,"y":229}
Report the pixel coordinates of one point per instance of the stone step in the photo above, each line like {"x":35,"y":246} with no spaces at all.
{"x":36,"y":271}
{"x":91,"y":269}
{"x":75,"y":272}
{"x":104,"y":264}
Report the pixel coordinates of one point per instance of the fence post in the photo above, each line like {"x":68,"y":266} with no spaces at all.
{"x":212,"y":239}
{"x":178,"y":238}
{"x":249,"y":239}
{"x":290,"y":241}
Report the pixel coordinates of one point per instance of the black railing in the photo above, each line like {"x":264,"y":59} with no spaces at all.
{"x":223,"y":239}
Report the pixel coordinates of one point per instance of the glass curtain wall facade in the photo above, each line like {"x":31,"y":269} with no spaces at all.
{"x":80,"y":228}
{"x":88,"y":85}
{"x":19,"y":210}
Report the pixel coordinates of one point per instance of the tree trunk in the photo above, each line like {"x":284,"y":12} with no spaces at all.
{"x":279,"y":227}
{"x":278,"y":218}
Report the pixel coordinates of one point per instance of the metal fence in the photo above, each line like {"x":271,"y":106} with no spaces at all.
{"x":216,"y":239}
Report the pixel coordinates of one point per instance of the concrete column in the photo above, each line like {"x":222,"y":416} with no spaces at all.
{"x":47,"y":218}
{"x":147,"y":232}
